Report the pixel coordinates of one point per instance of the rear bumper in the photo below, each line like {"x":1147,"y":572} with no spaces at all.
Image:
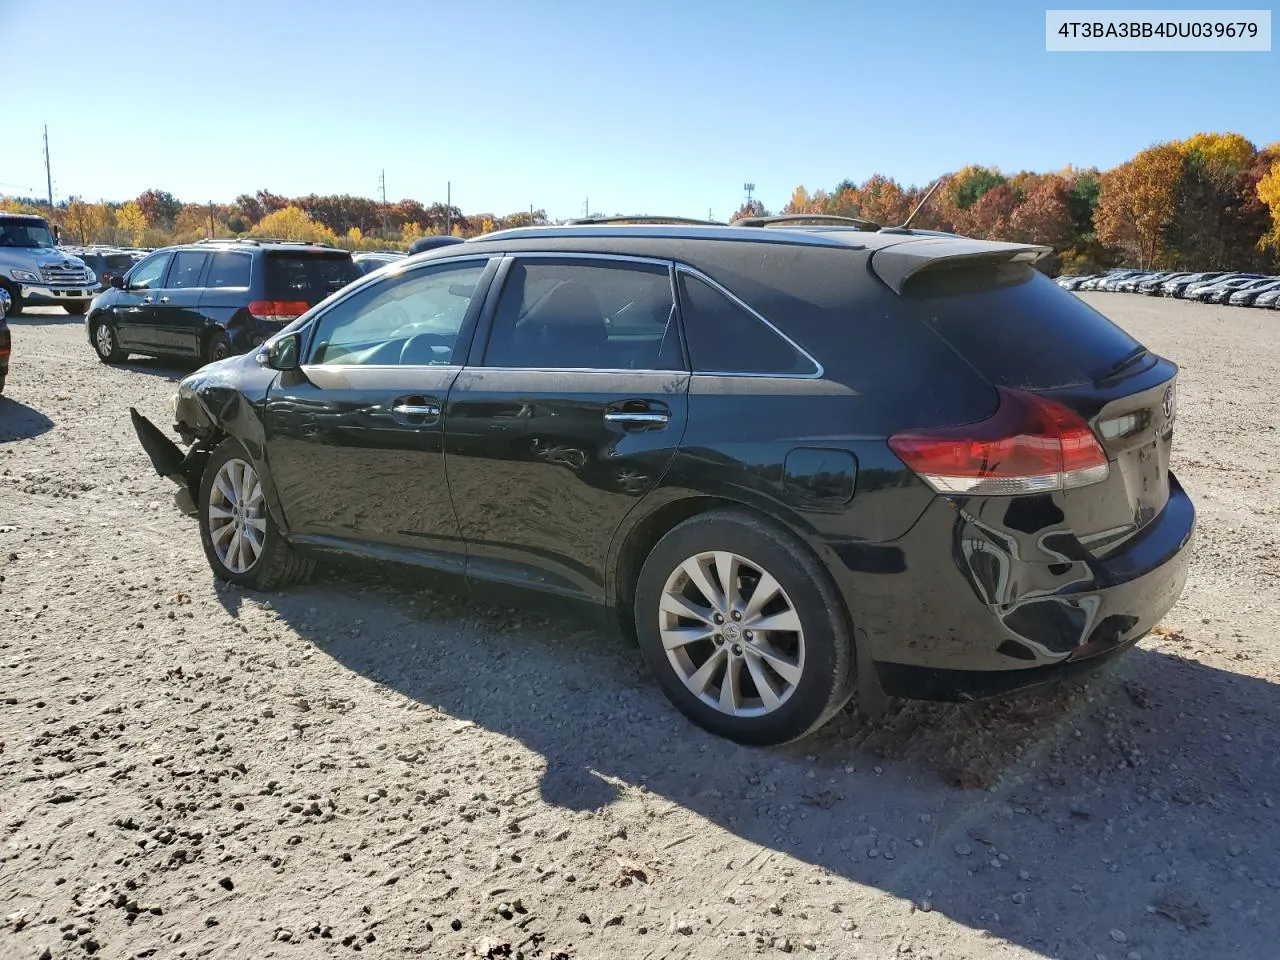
{"x":46,"y":296}
{"x":960,"y":612}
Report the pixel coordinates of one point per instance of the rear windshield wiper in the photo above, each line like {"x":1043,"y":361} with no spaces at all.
{"x":1124,"y":363}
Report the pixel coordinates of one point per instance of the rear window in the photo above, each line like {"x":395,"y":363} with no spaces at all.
{"x":308,"y":276}
{"x":119,"y":263}
{"x":1017,"y":327}
{"x":229,"y":270}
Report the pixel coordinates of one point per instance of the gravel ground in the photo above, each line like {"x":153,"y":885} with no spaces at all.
{"x":188,"y":770}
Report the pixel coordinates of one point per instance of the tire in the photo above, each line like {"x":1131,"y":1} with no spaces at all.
{"x":106,"y":344}
{"x":814,"y":674}
{"x":15,"y":305}
{"x":275,"y":563}
{"x":217,"y":346}
{"x":76,"y":309}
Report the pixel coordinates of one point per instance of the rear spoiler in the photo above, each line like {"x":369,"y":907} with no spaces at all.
{"x":899,"y":262}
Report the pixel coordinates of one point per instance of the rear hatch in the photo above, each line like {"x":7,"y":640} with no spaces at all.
{"x":1027,"y":336}
{"x":307,"y":276}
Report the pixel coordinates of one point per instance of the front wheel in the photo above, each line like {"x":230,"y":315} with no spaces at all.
{"x":241,"y":541}
{"x":76,"y":309}
{"x":743,"y":630}
{"x":15,"y":302}
{"x":105,"y":342}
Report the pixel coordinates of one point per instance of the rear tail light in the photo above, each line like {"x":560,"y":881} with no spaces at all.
{"x":1029,"y":445}
{"x":278,"y":310}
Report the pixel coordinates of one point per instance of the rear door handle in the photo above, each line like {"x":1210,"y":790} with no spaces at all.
{"x":648,"y":417}
{"x":638,"y":414}
{"x":164,"y":299}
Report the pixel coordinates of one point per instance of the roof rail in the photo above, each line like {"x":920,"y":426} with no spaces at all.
{"x":259,"y":241}
{"x":587,"y":221}
{"x":814,"y":218}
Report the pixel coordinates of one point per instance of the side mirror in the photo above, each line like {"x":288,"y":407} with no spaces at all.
{"x":282,"y":353}
{"x":117,"y":282}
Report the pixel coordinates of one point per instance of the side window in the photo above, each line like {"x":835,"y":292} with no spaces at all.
{"x":725,"y":337}
{"x":411,"y":318}
{"x":229,"y":270}
{"x":586,"y":314}
{"x":148,"y":274}
{"x":187,"y":266}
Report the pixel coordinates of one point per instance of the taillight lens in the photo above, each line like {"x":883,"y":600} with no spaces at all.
{"x":278,"y":310}
{"x":1031,"y":444}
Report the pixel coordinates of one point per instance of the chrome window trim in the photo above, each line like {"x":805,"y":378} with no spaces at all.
{"x":819,"y":372}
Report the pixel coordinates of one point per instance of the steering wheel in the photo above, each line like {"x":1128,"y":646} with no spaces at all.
{"x":417,"y":350}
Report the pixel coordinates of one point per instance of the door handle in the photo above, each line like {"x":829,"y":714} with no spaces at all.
{"x":416,"y":410}
{"x":148,"y":299}
{"x":636,"y":417}
{"x":164,"y":299}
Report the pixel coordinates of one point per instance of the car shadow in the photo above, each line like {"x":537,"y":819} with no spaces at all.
{"x":29,"y":318}
{"x":21,"y":422}
{"x":1133,"y":800}
{"x":167,"y":368}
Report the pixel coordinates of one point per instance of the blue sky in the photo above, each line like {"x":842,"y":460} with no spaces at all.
{"x":660,"y":106}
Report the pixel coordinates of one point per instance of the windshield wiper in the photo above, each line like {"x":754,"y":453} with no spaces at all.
{"x":1123,"y":364}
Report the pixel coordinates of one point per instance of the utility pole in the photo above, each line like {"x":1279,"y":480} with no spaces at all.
{"x":586,"y":207}
{"x":448,"y":208}
{"x":210,"y":219}
{"x":48,"y":172}
{"x":750,"y":188}
{"x":709,"y":216}
{"x":382,"y":187}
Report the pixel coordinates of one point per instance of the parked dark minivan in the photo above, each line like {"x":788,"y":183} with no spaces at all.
{"x":796,"y":458}
{"x":212,"y":299}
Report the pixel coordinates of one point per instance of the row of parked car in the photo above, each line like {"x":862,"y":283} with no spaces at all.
{"x":1234,"y":288}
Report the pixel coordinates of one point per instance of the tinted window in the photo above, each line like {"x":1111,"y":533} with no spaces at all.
{"x":724,"y":337}
{"x":186,"y":269}
{"x":229,"y":270}
{"x":599,"y":315}
{"x":413,"y":318}
{"x":148,"y":274}
{"x":117,"y":264}
{"x":308,"y":276}
{"x":1016,"y":326}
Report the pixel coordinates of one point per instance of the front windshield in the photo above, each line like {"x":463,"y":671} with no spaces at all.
{"x":24,"y":233}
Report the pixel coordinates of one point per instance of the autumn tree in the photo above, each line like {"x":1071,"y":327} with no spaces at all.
{"x":131,"y":222}
{"x":160,"y":207}
{"x":291,"y":223}
{"x":1044,"y":215}
{"x":1269,"y":193}
{"x":1136,"y":203}
{"x":969,"y":184}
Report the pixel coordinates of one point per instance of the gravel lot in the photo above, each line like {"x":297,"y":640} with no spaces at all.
{"x":188,"y":770}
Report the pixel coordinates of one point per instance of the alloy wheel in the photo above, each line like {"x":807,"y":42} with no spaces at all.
{"x":104,"y":340}
{"x":237,"y":519}
{"x":731,"y":634}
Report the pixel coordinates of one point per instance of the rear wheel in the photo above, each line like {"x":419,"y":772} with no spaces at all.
{"x":241,"y":541}
{"x":76,"y":309}
{"x":217,"y":347}
{"x":105,"y":342}
{"x":742,"y":629}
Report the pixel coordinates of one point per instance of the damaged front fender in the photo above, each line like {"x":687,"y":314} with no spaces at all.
{"x":184,"y":469}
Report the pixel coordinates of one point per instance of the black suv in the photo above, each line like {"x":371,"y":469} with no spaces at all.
{"x":212,"y":299}
{"x":106,"y":262}
{"x":798,"y":459}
